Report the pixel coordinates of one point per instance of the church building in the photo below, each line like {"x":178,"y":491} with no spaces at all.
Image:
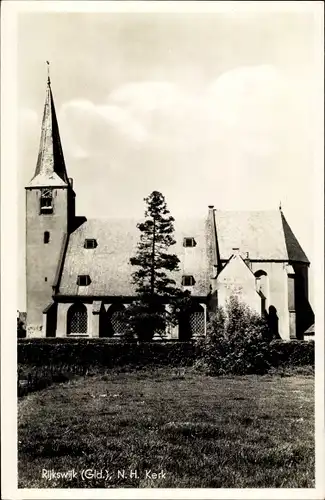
{"x":78,"y":270}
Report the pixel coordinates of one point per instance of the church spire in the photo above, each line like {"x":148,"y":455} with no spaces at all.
{"x":48,"y":73}
{"x":50,"y":168}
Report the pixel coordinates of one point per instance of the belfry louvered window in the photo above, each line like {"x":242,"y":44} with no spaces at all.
{"x":77,"y":319}
{"x":46,"y":202}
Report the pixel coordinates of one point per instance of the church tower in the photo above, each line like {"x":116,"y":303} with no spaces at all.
{"x":50,"y":214}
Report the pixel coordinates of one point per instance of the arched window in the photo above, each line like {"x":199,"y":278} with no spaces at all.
{"x":261,"y":281}
{"x":46,"y":237}
{"x":192,"y":323}
{"x":116,"y":317}
{"x":112,"y":322}
{"x":197,"y":321}
{"x":77,"y":319}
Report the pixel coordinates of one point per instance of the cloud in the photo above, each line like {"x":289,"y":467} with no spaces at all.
{"x":90,"y":127}
{"x":28,"y":116}
{"x":247,"y":108}
{"x":28,"y":124}
{"x":147,"y":96}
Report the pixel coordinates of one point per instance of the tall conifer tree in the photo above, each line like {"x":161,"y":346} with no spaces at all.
{"x":152,"y":277}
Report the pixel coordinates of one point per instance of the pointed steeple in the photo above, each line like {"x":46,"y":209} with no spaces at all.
{"x":50,"y":168}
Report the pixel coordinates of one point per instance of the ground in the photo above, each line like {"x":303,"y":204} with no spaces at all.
{"x":191,"y":430}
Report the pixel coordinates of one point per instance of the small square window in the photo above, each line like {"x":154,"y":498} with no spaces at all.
{"x":188,"y":281}
{"x":90,"y":243}
{"x":83,"y":280}
{"x":189,"y":242}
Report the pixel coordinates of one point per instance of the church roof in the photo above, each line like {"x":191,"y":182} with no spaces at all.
{"x":264,"y":235}
{"x":50,"y":168}
{"x":295,"y":252}
{"x":108,"y":263}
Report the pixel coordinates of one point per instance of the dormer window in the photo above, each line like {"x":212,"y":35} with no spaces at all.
{"x":188,"y":280}
{"x":46,"y":203}
{"x":90,"y":243}
{"x":83,"y":280}
{"x":189,"y":242}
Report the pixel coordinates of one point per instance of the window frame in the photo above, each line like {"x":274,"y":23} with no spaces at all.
{"x":187,"y":239}
{"x":186,"y":277}
{"x":75,"y":312}
{"x":93,"y":241}
{"x":46,"y":237}
{"x":80,"y":278}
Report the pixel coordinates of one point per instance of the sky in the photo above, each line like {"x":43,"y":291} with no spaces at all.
{"x":214,"y":108}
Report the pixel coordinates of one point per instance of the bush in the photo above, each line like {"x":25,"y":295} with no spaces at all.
{"x":21,"y":330}
{"x":237,"y":342}
{"x":143,"y":320}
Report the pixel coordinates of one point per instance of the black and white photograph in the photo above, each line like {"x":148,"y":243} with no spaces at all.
{"x":162,"y":163}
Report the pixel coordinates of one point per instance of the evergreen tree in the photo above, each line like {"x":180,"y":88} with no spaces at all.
{"x":152,"y":256}
{"x":153,"y":276}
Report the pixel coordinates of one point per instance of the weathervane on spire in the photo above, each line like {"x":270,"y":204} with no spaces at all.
{"x":280,"y":206}
{"x":48,"y":73}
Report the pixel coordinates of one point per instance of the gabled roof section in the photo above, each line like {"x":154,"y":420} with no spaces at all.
{"x":295,"y":252}
{"x":263,"y":235}
{"x":237,"y":269}
{"x":237,"y":278}
{"x":50,"y":168}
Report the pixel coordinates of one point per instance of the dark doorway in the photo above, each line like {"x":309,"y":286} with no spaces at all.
{"x":105,"y":326}
{"x":51,"y":320}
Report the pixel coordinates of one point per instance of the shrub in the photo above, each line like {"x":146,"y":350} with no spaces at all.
{"x":236,"y":342}
{"x":143,"y":320}
{"x":21,"y":330}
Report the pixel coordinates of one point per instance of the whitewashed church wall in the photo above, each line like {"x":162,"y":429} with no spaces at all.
{"x":61,"y":328}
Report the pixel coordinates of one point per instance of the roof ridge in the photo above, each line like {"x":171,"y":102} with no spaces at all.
{"x":262,"y":210}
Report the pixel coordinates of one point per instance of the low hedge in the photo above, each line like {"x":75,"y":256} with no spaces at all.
{"x":292,"y":353}
{"x":100,"y":352}
{"x":108,"y":354}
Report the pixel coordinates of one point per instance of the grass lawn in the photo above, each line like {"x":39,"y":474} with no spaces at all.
{"x":200,"y":431}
